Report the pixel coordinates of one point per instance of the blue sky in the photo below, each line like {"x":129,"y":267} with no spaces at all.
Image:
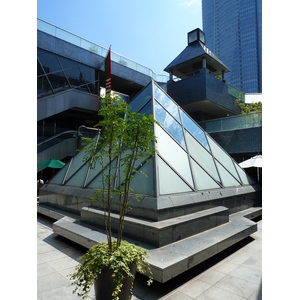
{"x":151,"y":33}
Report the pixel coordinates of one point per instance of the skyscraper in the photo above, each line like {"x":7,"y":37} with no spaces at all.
{"x":233,"y":31}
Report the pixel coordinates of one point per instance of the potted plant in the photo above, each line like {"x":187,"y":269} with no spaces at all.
{"x":126,"y":140}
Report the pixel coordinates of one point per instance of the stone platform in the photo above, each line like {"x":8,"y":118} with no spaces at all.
{"x":179,"y":254}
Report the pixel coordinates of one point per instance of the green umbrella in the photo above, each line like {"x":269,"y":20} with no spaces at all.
{"x":51,"y":163}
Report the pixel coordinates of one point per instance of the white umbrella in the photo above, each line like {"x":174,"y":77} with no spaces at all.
{"x":255,"y":161}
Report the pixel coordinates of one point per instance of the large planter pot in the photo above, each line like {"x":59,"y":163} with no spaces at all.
{"x":104,"y":285}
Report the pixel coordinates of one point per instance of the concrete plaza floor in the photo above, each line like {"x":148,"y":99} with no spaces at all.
{"x":234,"y":274}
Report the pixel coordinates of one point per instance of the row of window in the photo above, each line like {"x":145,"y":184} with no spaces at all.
{"x":56,"y":73}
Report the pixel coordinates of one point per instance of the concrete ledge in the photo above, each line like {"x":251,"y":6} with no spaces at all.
{"x":164,"y":232}
{"x":169,"y":261}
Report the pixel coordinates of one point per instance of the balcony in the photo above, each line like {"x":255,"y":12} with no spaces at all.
{"x":203,"y":96}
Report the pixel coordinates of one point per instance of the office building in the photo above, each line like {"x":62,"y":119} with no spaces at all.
{"x":233,"y":32}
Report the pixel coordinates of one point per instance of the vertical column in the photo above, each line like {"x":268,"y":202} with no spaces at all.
{"x":204,"y":63}
{"x":171,"y":75}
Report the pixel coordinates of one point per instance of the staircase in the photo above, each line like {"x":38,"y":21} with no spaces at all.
{"x":174,"y":245}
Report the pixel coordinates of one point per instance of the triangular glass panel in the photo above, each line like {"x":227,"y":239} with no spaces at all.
{"x":169,"y":124}
{"x":227,"y":179}
{"x":203,"y":180}
{"x":173,"y":154}
{"x":60,"y":175}
{"x":142,"y":181}
{"x":142,"y":98}
{"x":223,"y":157}
{"x":246,"y":179}
{"x":194,"y":129}
{"x":168,"y":181}
{"x":78,"y":178}
{"x":166,"y":102}
{"x":202,"y":156}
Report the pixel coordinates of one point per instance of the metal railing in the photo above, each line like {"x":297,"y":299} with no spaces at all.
{"x":92,"y":47}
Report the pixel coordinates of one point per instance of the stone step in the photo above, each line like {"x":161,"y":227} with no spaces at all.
{"x":164,"y":232}
{"x":171,"y":260}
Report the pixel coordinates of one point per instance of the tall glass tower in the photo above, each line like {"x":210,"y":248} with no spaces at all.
{"x":233,"y":30}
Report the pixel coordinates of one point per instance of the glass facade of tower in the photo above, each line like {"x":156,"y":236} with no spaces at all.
{"x":233,"y":32}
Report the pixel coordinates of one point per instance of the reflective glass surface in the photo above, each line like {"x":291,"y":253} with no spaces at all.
{"x":78,"y":178}
{"x":59,"y":176}
{"x":49,"y":62}
{"x":97,"y":182}
{"x":173,"y":154}
{"x":77,"y":163}
{"x":166,"y":102}
{"x":142,"y":181}
{"x":243,"y":175}
{"x":194,"y":129}
{"x":142,"y":98}
{"x":222,"y":157}
{"x":202,"y":156}
{"x":62,"y":72}
{"x":72,"y":71}
{"x":227,"y":179}
{"x":42,"y":85}
{"x":168,"y":181}
{"x":169,"y":124}
{"x":147,"y":109}
{"x":203,"y":180}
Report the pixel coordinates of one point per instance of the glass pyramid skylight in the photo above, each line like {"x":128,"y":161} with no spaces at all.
{"x":188,"y":159}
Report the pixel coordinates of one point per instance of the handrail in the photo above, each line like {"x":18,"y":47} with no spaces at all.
{"x":56,"y":136}
{"x":92,"y":47}
{"x":251,"y":120}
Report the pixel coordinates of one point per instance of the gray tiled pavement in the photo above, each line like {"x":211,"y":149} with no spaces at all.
{"x":235,"y":274}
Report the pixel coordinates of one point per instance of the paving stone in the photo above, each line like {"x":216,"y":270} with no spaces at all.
{"x":211,"y":276}
{"x":225,"y":267}
{"x":216,"y":293}
{"x":44,"y":269}
{"x":194,"y":288}
{"x":251,"y":275}
{"x":237,"y":286}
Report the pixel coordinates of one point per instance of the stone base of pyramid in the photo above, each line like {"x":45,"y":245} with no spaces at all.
{"x":174,"y":245}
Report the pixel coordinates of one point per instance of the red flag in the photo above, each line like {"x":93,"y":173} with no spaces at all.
{"x":108,"y":72}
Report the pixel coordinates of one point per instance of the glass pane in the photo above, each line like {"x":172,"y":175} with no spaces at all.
{"x":77,"y":162}
{"x":59,"y":176}
{"x":168,"y":181}
{"x":174,"y":155}
{"x":39,"y":69}
{"x":227,"y":179}
{"x":222,"y":157}
{"x":79,"y":177}
{"x":203,"y":180}
{"x":88,"y":73}
{"x":166,"y":102}
{"x":58,"y":80}
{"x":142,"y":181}
{"x":142,"y":98}
{"x":194,"y":129}
{"x":147,"y":109}
{"x":72,"y":71}
{"x":97,"y":182}
{"x":246,"y":179}
{"x":49,"y":62}
{"x":202,"y":156}
{"x":43,"y":86}
{"x":96,"y":170}
{"x":169,"y":124}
